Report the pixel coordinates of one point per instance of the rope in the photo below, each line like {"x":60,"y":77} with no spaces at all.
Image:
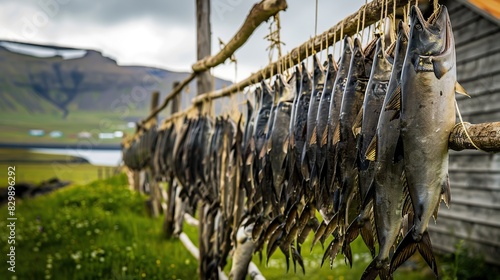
{"x":316,"y":20}
{"x":465,"y":129}
{"x":363,"y":23}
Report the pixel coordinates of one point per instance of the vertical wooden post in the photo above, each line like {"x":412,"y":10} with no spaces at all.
{"x":203,"y":36}
{"x":168,"y":222}
{"x":154,"y":191}
{"x":204,"y":84}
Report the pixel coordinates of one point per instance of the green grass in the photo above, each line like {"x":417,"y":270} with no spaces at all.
{"x":95,"y":231}
{"x":101,"y":231}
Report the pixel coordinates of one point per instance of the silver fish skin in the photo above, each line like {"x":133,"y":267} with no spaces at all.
{"x":427,"y":118}
{"x":309,"y":153}
{"x":334,"y":111}
{"x":372,"y":105}
{"x":387,"y":186}
{"x":318,"y":174}
{"x":352,"y":101}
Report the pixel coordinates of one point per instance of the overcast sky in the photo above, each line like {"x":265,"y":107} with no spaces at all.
{"x":161,"y":33}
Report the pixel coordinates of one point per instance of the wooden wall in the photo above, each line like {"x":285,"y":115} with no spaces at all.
{"x":474,"y":214}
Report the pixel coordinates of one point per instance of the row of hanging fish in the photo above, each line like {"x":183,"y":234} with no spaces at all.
{"x":363,"y":142}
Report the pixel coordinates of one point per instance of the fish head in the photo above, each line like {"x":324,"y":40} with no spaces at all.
{"x":319,"y":71}
{"x":426,"y":37}
{"x":358,"y":59}
{"x":306,"y":82}
{"x":345,"y":60}
{"x":431,"y":44}
{"x":257,"y":95}
{"x":381,"y":66}
{"x":298,"y":80}
{"x":267,"y":95}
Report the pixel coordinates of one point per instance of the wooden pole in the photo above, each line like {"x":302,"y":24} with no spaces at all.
{"x":348,"y":26}
{"x":267,"y":7}
{"x":154,"y":194}
{"x":203,"y":39}
{"x":204,"y":84}
{"x":259,"y":13}
{"x":168,"y":222}
{"x":486,"y":136}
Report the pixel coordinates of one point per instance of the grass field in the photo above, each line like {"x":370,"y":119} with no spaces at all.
{"x":94,"y":231}
{"x":101,"y":231}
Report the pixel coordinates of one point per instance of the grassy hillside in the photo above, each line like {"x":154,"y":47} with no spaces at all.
{"x":87,"y":93}
{"x":95,"y":231}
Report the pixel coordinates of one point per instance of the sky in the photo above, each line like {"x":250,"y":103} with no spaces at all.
{"x":162,"y":33}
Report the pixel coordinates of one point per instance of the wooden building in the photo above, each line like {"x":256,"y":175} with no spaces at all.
{"x":474,"y":214}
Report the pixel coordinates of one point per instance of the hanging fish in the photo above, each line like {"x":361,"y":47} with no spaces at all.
{"x":427,"y":117}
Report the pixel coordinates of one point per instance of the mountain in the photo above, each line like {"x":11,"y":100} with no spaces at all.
{"x":46,"y":79}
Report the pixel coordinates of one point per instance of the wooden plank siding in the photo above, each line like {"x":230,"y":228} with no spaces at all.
{"x":474,"y":214}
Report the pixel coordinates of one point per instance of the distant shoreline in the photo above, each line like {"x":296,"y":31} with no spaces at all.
{"x":74,"y":146}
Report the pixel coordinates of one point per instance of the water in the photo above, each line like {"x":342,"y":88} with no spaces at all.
{"x":96,"y":157}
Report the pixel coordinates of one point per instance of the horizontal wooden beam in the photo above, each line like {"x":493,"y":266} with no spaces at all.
{"x":486,"y":136}
{"x":348,"y":26}
{"x":258,"y":14}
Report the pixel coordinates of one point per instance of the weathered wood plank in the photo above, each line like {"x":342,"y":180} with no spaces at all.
{"x":481,"y":66}
{"x":476,"y":220}
{"x":473,"y":31}
{"x":445,"y":242}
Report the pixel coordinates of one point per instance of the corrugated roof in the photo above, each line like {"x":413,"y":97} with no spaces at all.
{"x":490,"y":8}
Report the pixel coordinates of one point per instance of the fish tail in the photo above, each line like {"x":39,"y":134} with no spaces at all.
{"x":352,"y":231}
{"x":286,"y":251}
{"x":372,"y":271}
{"x":367,"y":236}
{"x":425,"y":249}
{"x":346,"y":250}
{"x":404,"y":251}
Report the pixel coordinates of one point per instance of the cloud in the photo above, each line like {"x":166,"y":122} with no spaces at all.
{"x":161,"y":33}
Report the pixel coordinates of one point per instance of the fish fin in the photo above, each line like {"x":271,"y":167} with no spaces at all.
{"x":367,"y":236}
{"x":261,"y":175}
{"x":394,"y":102}
{"x":372,"y":271}
{"x":356,"y":127}
{"x":263,"y":151}
{"x":347,"y":254}
{"x":318,"y":233}
{"x":314,"y":177}
{"x":314,"y":137}
{"x":296,"y":255}
{"x":446,"y":191}
{"x":292,"y":140}
{"x":286,"y":251}
{"x":406,"y":248}
{"x":371,"y":151}
{"x":352,"y":230}
{"x":270,"y":144}
{"x":336,"y":135}
{"x":395,"y":115}
{"x":461,"y":90}
{"x":425,"y":250}
{"x":324,"y":137}
{"x":286,"y":142}
{"x":436,"y":210}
